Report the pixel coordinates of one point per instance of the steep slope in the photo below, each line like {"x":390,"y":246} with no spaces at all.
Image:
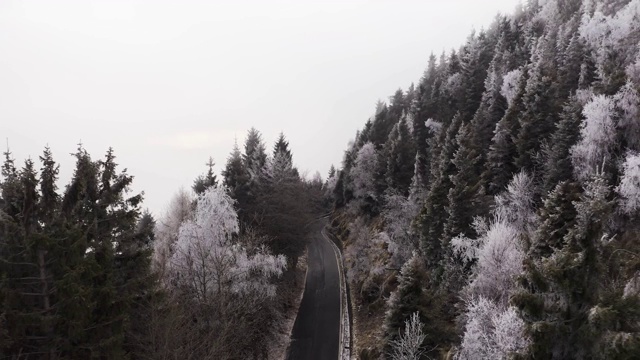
{"x":511,"y":172}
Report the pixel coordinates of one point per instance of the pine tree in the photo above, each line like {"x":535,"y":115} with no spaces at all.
{"x":255,"y":156}
{"x":432,"y":219}
{"x":280,"y":166}
{"x":557,"y":166}
{"x":569,"y":302}
{"x":500,"y":165}
{"x":203,"y":182}
{"x":412,"y":296}
{"x":332,"y":172}
{"x":234,"y":176}
{"x":536,"y":121}
{"x":462,"y":206}
{"x":475,"y":59}
{"x":399,"y":150}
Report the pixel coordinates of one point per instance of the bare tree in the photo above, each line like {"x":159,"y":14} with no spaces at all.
{"x":409,"y":345}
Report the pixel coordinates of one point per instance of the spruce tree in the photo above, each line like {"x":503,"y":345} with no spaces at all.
{"x":234,"y":176}
{"x":203,"y":182}
{"x":537,"y":119}
{"x":255,"y":156}
{"x":557,"y":166}
{"x":570,"y":302}
{"x":432,"y":218}
{"x":399,"y":151}
{"x":500,"y":165}
{"x":413,"y":295}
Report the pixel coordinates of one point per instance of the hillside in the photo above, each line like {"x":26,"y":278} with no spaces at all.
{"x":499,"y":197}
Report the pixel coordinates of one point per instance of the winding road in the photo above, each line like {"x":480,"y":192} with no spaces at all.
{"x":316,"y":330}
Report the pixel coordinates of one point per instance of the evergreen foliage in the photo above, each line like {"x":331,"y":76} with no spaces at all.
{"x":524,"y":165}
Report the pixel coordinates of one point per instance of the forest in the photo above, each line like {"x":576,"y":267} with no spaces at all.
{"x":491,"y":210}
{"x":85,"y":273}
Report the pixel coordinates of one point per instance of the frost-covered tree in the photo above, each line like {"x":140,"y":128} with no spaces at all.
{"x":179,"y":210}
{"x":496,"y":259}
{"x":629,"y":188}
{"x":516,"y":205}
{"x":208,"y":265}
{"x":492,"y":332}
{"x":409,"y":345}
{"x":363,"y":174}
{"x":398,"y":213}
{"x":255,"y":155}
{"x":498,"y":256}
{"x":557,"y":166}
{"x":597,"y":137}
{"x":412,"y":295}
{"x":510,"y":85}
{"x":500,"y":165}
{"x":586,"y":317}
{"x":399,"y":150}
{"x":279,"y":167}
{"x":432,"y":219}
{"x":627,"y":104}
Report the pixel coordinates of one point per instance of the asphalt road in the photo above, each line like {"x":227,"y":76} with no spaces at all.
{"x":317,"y":327}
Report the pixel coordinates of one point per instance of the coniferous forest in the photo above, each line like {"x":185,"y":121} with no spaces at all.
{"x":491,"y":210}
{"x":496,"y":202}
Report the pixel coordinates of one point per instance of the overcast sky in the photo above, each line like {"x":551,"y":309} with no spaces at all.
{"x":169,"y":83}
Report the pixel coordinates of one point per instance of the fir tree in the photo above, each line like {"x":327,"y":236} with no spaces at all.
{"x":500,"y":165}
{"x":412,"y":296}
{"x":557,"y":166}
{"x":203,"y":182}
{"x":432,"y":218}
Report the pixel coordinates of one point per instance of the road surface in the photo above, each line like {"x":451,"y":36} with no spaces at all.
{"x":317,"y":327}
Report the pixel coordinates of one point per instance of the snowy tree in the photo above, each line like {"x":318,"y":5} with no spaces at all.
{"x":363,"y":173}
{"x":413,"y":295}
{"x":629,"y":188}
{"x":557,"y":166}
{"x":516,"y":205}
{"x":366,"y":259}
{"x":492,"y":332}
{"x":627,"y":103}
{"x":597,"y":137}
{"x":498,"y":261}
{"x":180,"y":209}
{"x":255,"y":155}
{"x":398,"y":213}
{"x":207,"y":263}
{"x":279,"y":167}
{"x":408,"y":346}
{"x":510,"y":85}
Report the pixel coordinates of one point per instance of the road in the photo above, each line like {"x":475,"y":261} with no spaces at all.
{"x":317,"y":327}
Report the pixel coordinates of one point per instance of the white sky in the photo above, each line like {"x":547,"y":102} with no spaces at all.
{"x":169,"y":83}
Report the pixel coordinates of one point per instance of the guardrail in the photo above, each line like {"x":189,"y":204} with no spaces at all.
{"x":345,"y":302}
